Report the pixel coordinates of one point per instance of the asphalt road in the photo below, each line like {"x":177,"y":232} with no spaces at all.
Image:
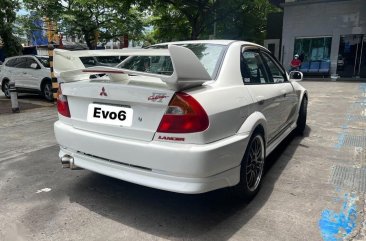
{"x":313,"y":188}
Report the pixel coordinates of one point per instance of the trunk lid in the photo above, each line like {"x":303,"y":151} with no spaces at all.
{"x":147,"y":97}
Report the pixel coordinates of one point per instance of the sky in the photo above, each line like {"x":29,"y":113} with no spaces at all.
{"x":22,"y":12}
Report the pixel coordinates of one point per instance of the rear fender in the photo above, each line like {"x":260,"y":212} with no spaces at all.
{"x":253,"y":121}
{"x":301,"y":92}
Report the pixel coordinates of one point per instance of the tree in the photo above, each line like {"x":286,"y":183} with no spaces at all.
{"x":196,"y":19}
{"x":94,"y":20}
{"x":168,"y":24}
{"x":246,"y":22}
{"x":186,"y":16}
{"x":11,"y":43}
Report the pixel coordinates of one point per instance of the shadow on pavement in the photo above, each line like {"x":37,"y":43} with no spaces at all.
{"x":211,"y":216}
{"x":26,"y":102}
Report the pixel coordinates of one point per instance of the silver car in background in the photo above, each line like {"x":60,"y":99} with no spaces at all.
{"x":31,"y":74}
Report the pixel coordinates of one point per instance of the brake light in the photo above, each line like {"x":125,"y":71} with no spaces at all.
{"x":62,"y":104}
{"x":184,"y":115}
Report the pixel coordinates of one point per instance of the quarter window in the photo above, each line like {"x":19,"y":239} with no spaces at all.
{"x":252,"y":68}
{"x":11,"y":63}
{"x":31,"y":61}
{"x":276,"y":75}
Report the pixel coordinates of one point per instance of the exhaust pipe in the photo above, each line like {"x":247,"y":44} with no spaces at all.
{"x":67,"y":161}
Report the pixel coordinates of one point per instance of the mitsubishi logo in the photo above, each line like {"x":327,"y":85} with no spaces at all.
{"x":103,"y":93}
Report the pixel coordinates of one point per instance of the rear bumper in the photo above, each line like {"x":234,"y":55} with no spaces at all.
{"x":177,"y":167}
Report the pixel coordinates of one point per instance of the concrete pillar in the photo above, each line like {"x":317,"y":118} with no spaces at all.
{"x":334,"y":53}
{"x":14,"y":98}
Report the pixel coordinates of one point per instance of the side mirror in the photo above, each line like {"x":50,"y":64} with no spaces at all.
{"x":34,"y":66}
{"x":296,"y":76}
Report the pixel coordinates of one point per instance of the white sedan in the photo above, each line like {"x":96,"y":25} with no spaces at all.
{"x":186,"y":117}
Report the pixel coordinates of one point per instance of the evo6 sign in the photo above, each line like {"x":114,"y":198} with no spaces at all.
{"x":110,"y":115}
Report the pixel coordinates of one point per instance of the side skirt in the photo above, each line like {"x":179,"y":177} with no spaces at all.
{"x":274,"y":143}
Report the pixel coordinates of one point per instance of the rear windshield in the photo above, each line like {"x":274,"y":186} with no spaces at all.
{"x":209,"y":55}
{"x":110,"y":61}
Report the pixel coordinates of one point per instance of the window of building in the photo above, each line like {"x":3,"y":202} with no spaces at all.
{"x":313,"y":49}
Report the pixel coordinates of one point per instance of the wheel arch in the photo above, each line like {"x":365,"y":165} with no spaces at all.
{"x":255,"y":122}
{"x":3,"y":81}
{"x":43,"y":82}
{"x":304,"y":94}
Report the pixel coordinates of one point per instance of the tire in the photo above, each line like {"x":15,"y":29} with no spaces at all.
{"x":252,"y":168}
{"x":47,"y":91}
{"x":6,"y":88}
{"x":301,"y":120}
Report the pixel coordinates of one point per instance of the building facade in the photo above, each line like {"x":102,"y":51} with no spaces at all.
{"x":328,"y":34}
{"x":274,"y":34}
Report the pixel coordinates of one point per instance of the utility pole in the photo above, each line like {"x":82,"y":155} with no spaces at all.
{"x":51,"y":33}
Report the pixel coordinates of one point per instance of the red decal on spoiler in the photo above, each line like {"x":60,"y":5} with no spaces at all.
{"x":103,"y":71}
{"x":157,"y":97}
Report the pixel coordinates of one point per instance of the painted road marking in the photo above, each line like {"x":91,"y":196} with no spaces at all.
{"x":44,"y":190}
{"x":337,"y":226}
{"x":334,"y":225}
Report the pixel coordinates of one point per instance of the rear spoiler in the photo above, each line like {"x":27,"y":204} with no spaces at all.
{"x":188,"y":71}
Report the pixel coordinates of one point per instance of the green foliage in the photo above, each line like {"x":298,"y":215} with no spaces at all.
{"x":169,"y":24}
{"x":156,"y":20}
{"x":246,"y":22}
{"x":11,"y":43}
{"x":195,"y":19}
{"x":94,"y":20}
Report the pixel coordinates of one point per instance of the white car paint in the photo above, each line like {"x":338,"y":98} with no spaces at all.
{"x":24,"y":76}
{"x":180,"y":162}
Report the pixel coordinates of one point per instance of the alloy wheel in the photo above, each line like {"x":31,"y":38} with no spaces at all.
{"x":7,"y":89}
{"x":255,"y":163}
{"x":47,"y":92}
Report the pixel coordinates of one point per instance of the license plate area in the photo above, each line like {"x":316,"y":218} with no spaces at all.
{"x":110,"y":114}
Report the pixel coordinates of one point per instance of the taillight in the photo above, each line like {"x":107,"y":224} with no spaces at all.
{"x":62,"y":104}
{"x":184,"y":115}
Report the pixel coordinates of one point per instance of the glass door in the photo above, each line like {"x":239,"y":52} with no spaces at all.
{"x":351,"y":60}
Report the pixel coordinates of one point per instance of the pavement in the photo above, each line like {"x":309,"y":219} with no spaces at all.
{"x":313,"y":189}
{"x":25,"y":101}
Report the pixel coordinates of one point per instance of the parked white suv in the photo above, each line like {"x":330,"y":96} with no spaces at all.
{"x":31,"y":74}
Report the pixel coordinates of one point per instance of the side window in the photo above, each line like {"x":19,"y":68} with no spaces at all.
{"x":31,"y":61}
{"x":11,"y":63}
{"x":275,"y":73}
{"x":21,"y":63}
{"x":252,"y":68}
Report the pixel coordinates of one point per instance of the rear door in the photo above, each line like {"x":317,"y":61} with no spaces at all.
{"x":268,"y":97}
{"x":11,"y":71}
{"x":19,"y":72}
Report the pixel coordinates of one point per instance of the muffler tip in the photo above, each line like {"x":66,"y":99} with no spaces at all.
{"x":66,"y":161}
